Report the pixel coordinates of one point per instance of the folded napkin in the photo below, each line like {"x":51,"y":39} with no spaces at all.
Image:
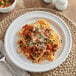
{"x":5,"y":71}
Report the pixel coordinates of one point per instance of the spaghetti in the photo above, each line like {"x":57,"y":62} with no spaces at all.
{"x":38,"y":41}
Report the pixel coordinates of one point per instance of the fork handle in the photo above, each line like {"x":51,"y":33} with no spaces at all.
{"x":7,"y":64}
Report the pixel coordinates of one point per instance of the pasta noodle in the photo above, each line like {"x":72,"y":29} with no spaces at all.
{"x":38,"y":41}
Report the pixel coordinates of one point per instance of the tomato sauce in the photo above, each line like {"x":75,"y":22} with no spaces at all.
{"x":6,"y":3}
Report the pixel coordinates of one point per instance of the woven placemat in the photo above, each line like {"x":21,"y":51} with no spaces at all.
{"x":67,"y":68}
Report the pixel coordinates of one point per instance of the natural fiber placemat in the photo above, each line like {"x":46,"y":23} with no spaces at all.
{"x":68,"y":68}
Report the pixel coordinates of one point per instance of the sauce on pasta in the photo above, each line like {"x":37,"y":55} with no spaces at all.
{"x":38,"y":41}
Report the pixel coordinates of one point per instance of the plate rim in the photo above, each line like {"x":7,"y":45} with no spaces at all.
{"x":54,"y":16}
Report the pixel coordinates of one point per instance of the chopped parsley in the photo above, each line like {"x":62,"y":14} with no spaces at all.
{"x":37,"y":29}
{"x":50,"y":40}
{"x":40,"y":25}
{"x":32,"y":57}
{"x":28,"y":45}
{"x":28,"y":37}
{"x":19,"y":50}
{"x":61,"y":40}
{"x":34,"y":43}
{"x":47,"y":29}
{"x":1,"y":3}
{"x":54,"y":40}
{"x":8,"y":1}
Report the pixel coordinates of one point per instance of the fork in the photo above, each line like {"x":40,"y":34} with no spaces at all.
{"x":3,"y":59}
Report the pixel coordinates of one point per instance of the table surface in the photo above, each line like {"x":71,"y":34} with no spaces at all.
{"x":69,"y":12}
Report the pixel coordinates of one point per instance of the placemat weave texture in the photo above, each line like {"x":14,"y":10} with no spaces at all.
{"x":67,"y":68}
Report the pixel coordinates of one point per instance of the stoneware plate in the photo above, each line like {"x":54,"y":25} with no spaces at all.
{"x":57,"y":24}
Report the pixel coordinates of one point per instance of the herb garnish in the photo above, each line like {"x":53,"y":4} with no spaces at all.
{"x":40,"y":25}
{"x":61,"y":40}
{"x":1,"y":3}
{"x":28,"y":44}
{"x":28,"y":37}
{"x":8,"y":1}
{"x":47,"y":29}
{"x":54,"y":40}
{"x":19,"y":50}
{"x":37,"y":29}
{"x":32,"y":57}
{"x":5,"y":2}
{"x":34,"y":43}
{"x":50,"y":40}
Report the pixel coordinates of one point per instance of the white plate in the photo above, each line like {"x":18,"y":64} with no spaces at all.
{"x":57,"y":24}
